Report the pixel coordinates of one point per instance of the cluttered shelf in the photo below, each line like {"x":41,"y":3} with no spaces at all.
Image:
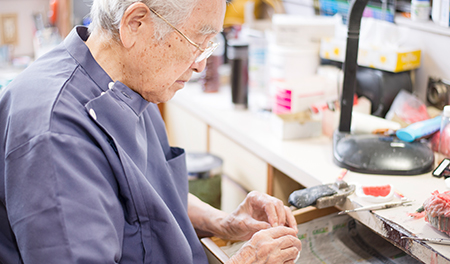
{"x":310,"y":163}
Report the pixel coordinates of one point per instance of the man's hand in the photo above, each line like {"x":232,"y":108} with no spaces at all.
{"x":270,"y":226}
{"x":258,"y":211}
{"x":273,"y":245}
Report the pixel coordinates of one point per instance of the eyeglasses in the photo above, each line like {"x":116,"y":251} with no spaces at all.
{"x":205,"y":52}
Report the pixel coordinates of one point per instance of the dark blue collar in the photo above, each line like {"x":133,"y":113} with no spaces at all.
{"x":75,"y":45}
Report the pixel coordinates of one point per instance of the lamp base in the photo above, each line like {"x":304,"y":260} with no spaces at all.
{"x":374,"y":154}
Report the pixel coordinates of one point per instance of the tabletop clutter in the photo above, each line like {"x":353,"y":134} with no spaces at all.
{"x":415,"y":122}
{"x":435,"y":210}
{"x":305,"y":85}
{"x":295,"y":65}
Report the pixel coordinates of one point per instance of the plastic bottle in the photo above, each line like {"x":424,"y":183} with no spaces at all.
{"x":419,"y":129}
{"x":444,"y":138}
{"x":420,"y":10}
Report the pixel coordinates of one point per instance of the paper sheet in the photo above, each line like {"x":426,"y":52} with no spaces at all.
{"x":341,"y":239}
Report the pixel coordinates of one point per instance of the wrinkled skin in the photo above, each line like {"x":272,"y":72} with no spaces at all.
{"x":269,"y":226}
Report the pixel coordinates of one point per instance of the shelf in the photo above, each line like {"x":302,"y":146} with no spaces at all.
{"x":427,"y":26}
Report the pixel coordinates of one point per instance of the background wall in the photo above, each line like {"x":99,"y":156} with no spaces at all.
{"x":435,"y":56}
{"x":24,"y":10}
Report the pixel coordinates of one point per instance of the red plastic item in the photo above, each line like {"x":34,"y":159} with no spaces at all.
{"x":376,"y":191}
{"x":53,"y":12}
{"x":415,"y":114}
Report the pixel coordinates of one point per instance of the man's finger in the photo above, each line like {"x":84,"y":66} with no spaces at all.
{"x":289,"y":254}
{"x":280,"y":231}
{"x":281,"y":212}
{"x":290,"y":219}
{"x":276,"y":215}
{"x":256,"y":225}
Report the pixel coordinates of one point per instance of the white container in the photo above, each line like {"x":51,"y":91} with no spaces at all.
{"x":420,"y":10}
{"x":361,"y":123}
{"x":440,"y":12}
{"x":436,"y":11}
{"x":294,"y":30}
{"x":366,"y":123}
{"x":444,"y":19}
{"x":258,"y":76}
{"x":286,"y":129}
{"x":290,"y":64}
{"x":288,"y":67}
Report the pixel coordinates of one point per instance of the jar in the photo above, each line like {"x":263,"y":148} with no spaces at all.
{"x":420,"y":10}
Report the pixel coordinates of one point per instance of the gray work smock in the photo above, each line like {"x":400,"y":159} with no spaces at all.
{"x":86,"y":172}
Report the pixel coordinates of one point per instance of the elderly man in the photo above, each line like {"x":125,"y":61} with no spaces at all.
{"x":87,"y":175}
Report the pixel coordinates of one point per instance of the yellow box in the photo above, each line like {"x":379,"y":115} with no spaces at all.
{"x":383,"y":58}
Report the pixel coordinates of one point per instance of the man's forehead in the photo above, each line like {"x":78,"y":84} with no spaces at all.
{"x":207,"y":17}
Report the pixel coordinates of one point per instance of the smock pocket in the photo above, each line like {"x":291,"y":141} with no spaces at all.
{"x":178,"y":172}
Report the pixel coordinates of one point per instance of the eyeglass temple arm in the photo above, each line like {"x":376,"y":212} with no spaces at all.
{"x":176,"y":29}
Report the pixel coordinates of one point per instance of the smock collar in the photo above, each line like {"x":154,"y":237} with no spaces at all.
{"x":75,"y":45}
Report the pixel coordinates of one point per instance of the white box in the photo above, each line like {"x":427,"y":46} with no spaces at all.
{"x":292,"y":96}
{"x":285,"y":127}
{"x":292,"y":30}
{"x":383,"y":58}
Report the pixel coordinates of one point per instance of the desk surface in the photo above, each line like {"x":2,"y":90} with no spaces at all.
{"x":310,"y":162}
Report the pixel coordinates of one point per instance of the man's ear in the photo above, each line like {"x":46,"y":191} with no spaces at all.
{"x":135,"y":21}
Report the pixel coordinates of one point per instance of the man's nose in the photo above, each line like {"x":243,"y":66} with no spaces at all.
{"x":199,"y":66}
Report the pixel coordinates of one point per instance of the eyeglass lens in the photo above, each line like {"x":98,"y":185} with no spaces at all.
{"x":208,"y":51}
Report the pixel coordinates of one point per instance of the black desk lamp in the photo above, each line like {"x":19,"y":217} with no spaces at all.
{"x":371,"y":154}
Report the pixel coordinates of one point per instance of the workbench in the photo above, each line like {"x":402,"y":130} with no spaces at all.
{"x":257,"y":160}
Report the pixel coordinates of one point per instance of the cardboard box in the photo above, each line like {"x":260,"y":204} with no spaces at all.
{"x":383,"y":58}
{"x":288,"y":126}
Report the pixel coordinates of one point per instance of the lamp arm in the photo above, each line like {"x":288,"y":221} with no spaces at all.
{"x":350,"y":64}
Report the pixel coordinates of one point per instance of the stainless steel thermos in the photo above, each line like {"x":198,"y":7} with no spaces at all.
{"x":237,"y":53}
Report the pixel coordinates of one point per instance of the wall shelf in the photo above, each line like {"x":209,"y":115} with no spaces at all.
{"x":427,"y":26}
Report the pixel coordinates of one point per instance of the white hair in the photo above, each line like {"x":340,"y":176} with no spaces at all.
{"x":107,"y":14}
